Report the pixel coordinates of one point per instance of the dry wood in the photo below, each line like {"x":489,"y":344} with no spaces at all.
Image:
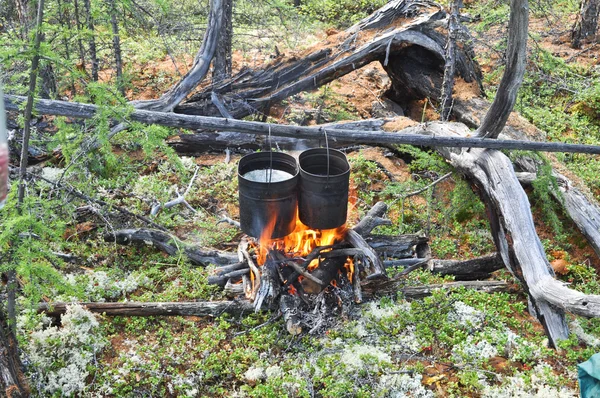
{"x":372,"y":219}
{"x":244,"y":254}
{"x":466,"y":270}
{"x":327,"y":270}
{"x":12,"y":380}
{"x":401,"y":246}
{"x":516,"y":59}
{"x":379,"y":288}
{"x":357,"y":241}
{"x":199,"y":69}
{"x":171,"y":245}
{"x":405,"y":136}
{"x":270,"y":285}
{"x":216,"y":308}
{"x":196,"y":308}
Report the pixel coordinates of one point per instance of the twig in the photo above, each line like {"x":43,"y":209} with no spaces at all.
{"x":72,"y":191}
{"x":180,"y":198}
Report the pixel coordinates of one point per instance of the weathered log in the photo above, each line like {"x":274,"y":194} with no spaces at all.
{"x":405,"y":136}
{"x":380,"y":288}
{"x":467,"y":270}
{"x":371,"y":289}
{"x":196,"y":308}
{"x":584,"y":212}
{"x":171,"y":245}
{"x":400,"y":246}
{"x":199,"y":69}
{"x":270,"y":285}
{"x":202,"y":142}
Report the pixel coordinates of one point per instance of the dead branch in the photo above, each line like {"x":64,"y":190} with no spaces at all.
{"x":168,"y":101}
{"x":171,"y":245}
{"x":379,"y":288}
{"x":516,"y":59}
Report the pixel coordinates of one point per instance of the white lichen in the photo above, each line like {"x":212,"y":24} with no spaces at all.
{"x":61,"y":357}
{"x":539,"y":383}
{"x":466,"y":316}
{"x":354,"y":356}
{"x":403,"y":386}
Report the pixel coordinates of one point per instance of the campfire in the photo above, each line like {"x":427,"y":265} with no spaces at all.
{"x":306,"y":269}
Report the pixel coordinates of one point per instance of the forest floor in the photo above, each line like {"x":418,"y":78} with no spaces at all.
{"x":451,"y":344}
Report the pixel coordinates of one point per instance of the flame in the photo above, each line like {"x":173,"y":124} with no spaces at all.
{"x":349,"y":265}
{"x":299,"y":243}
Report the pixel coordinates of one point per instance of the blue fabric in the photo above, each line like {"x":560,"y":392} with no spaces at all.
{"x":589,"y":377}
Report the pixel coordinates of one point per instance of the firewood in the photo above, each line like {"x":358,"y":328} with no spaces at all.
{"x":221,"y":280}
{"x":288,"y":305}
{"x":372,"y":219}
{"x":327,"y":270}
{"x":357,"y":241}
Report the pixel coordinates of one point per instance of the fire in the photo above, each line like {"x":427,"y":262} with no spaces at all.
{"x":349,"y":266}
{"x":299,"y":243}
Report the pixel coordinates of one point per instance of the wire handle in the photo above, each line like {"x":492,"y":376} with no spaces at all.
{"x":327,"y":150}
{"x":269,"y":171}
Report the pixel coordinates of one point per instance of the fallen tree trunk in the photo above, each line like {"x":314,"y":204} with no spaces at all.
{"x":405,"y":136}
{"x":217,"y":308}
{"x":372,"y":289}
{"x":196,"y":308}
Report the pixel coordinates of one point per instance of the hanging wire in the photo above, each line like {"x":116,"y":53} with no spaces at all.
{"x":327,"y":149}
{"x":270,"y":169}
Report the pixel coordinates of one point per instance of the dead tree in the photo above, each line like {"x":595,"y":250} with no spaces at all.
{"x":222,"y":60}
{"x":587,"y":22}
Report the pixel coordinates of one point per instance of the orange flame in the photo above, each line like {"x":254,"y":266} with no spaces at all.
{"x":299,"y":243}
{"x":349,"y":265}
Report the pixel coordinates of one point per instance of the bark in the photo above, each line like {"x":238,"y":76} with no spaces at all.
{"x":171,"y":245}
{"x":450,"y":62}
{"x":196,"y":308}
{"x":380,"y":288}
{"x":405,"y":136}
{"x":184,"y":87}
{"x":217,"y":308}
{"x":587,"y":22}
{"x":12,"y":379}
{"x":516,"y":59}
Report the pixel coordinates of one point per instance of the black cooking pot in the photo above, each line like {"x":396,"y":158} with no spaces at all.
{"x":323,"y":188}
{"x":268,"y":193}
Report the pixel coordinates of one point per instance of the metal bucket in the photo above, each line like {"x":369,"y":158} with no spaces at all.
{"x":323,"y":188}
{"x":269,"y":197}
